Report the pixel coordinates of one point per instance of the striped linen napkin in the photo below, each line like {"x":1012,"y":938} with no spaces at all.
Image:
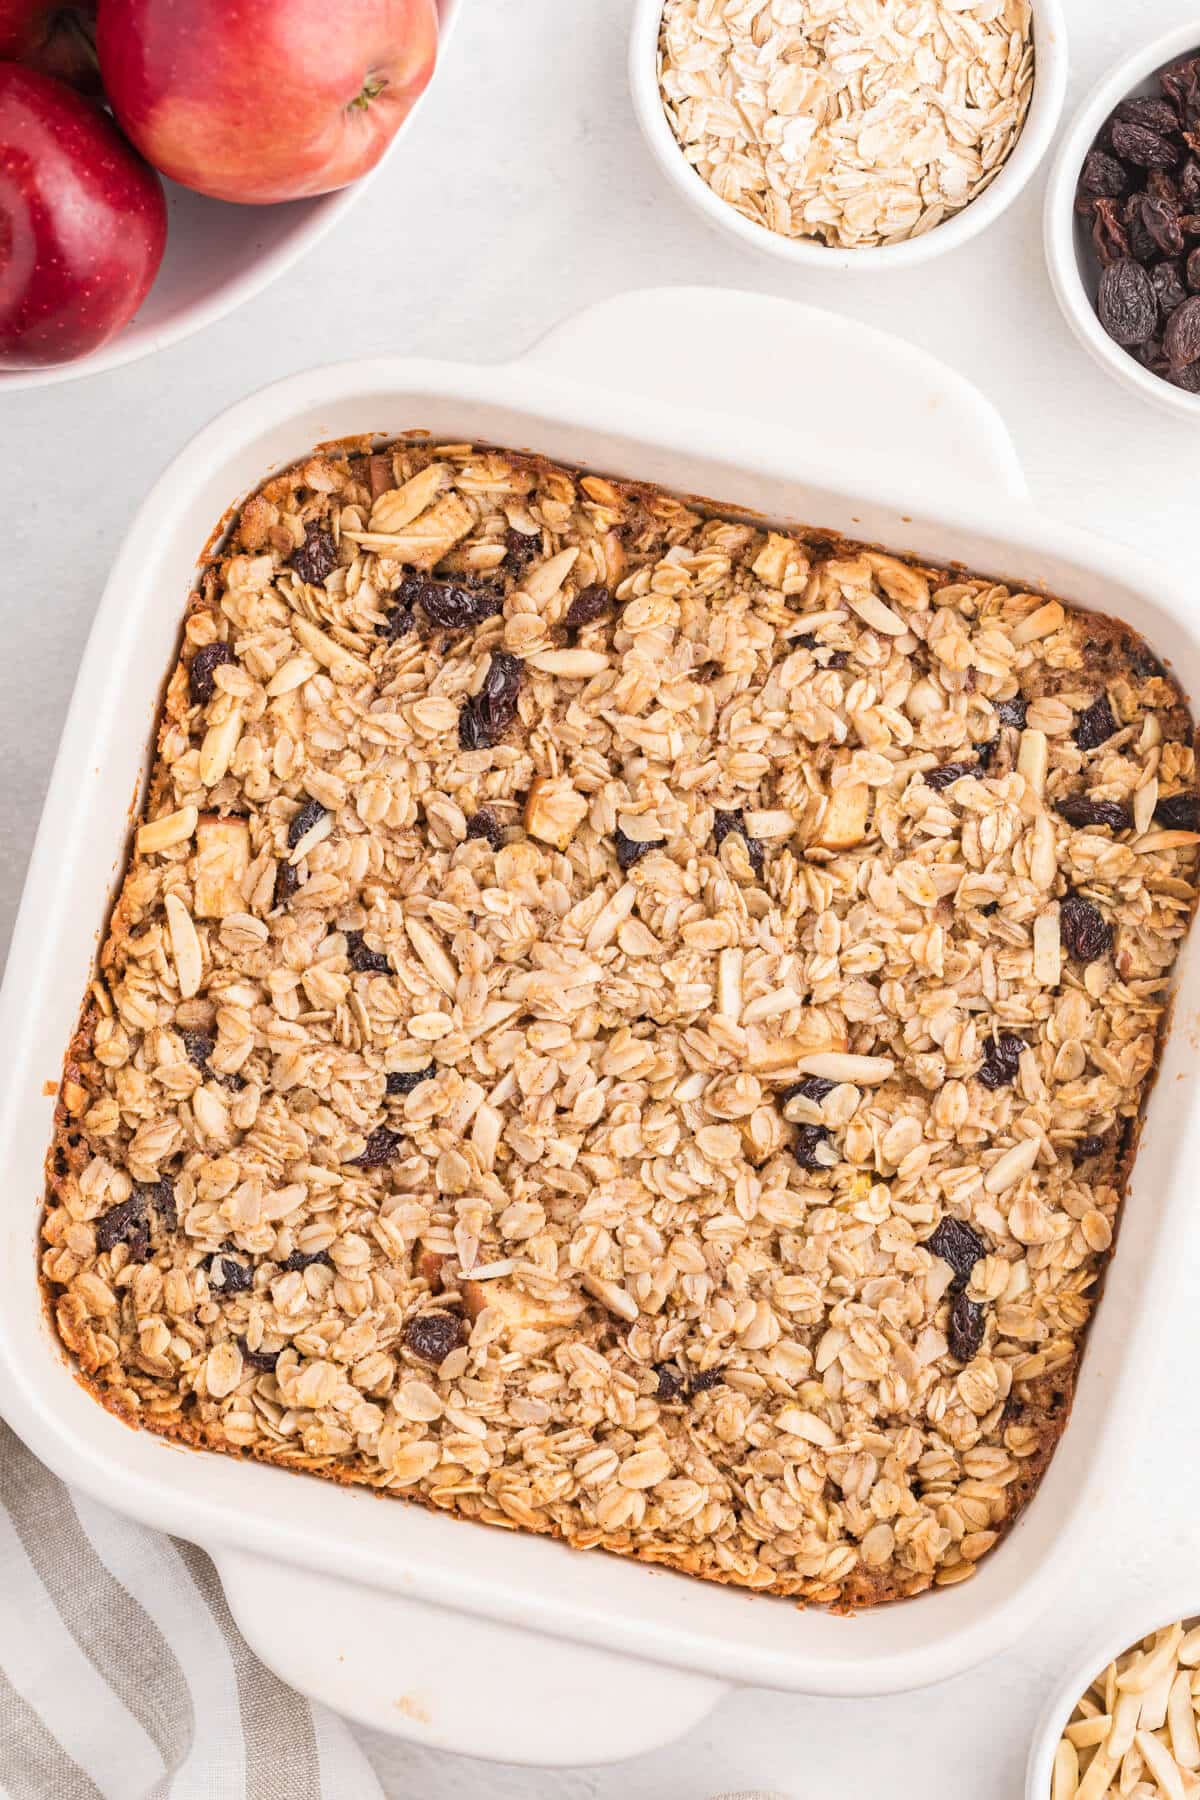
{"x":124,"y":1677}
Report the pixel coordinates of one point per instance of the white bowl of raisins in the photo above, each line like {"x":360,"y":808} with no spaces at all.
{"x":1122,"y":222}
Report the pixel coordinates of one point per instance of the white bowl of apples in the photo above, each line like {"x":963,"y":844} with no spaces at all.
{"x":265,"y":122}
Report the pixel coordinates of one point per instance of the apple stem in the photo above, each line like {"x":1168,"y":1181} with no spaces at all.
{"x":371,"y":89}
{"x":84,"y":35}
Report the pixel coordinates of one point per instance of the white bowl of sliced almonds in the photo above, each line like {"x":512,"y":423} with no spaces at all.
{"x":834,"y":136}
{"x":1126,"y":1725}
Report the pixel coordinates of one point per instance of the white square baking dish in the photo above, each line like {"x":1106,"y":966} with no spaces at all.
{"x":464,"y":1637}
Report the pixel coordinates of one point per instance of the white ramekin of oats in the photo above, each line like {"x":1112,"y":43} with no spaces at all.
{"x":852,"y":134}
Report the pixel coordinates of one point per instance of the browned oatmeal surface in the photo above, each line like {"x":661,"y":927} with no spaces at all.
{"x":624,"y":1024}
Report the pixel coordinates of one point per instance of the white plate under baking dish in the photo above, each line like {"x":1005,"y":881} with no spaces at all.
{"x":219,"y":256}
{"x":466,"y":1638}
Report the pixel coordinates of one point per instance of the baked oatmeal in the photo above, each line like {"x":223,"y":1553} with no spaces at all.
{"x":623,"y":1023}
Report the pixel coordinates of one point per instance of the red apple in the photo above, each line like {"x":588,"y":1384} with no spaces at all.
{"x":263,"y":100}
{"x":83,"y":223}
{"x":57,"y":39}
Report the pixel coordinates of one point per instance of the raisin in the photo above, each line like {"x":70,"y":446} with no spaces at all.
{"x":735,"y":821}
{"x":1127,"y":304}
{"x":1188,"y":379}
{"x":630,"y":850}
{"x":589,"y":604}
{"x":1087,"y":1147}
{"x":228,"y":1276}
{"x":403,"y":1081}
{"x":1191,"y":272}
{"x":201,"y":685}
{"x":959,"y":1245}
{"x":1179,"y":812}
{"x":432,"y":1336}
{"x":304,"y":1259}
{"x":1095,"y":725}
{"x":162,"y":1198}
{"x":383,"y":1146}
{"x":1181,"y":339}
{"x":199,"y":1047}
{"x":1142,"y":145}
{"x":838,"y":659}
{"x":1109,"y":237}
{"x":808,"y":1140}
{"x":486,"y":716}
{"x":1143,"y":661}
{"x":1149,"y":109}
{"x":1012,"y":712}
{"x":364,"y":961}
{"x":316,"y":556}
{"x":1001,"y":1060}
{"x":806,"y":641}
{"x":263,"y":1360}
{"x":310,"y":814}
{"x":707,"y":1378}
{"x":452,"y":607}
{"x":1079,"y":811}
{"x":670,"y":1381}
{"x":1161,"y":219}
{"x":1167,"y":280}
{"x":126,"y":1224}
{"x":287,"y":880}
{"x":1102,"y":174}
{"x":986,"y":753}
{"x":521,"y":548}
{"x":485,"y":824}
{"x":966,"y":1328}
{"x":813,"y":1087}
{"x":948,"y":773}
{"x":1189,"y":185}
{"x":1084,"y":933}
{"x":398,"y":622}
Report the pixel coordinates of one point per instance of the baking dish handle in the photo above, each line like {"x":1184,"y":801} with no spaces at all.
{"x":454,"y":1682}
{"x":870,"y":399}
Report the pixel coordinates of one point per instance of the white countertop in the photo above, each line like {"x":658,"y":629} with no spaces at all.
{"x":523,"y":193}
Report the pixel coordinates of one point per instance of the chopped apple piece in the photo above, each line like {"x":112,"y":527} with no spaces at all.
{"x":521,"y":1311}
{"x":554,"y":811}
{"x":222,"y":858}
{"x":845,"y":821}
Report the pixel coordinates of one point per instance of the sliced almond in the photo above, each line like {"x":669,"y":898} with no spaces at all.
{"x":544,"y":581}
{"x":1033,"y":758}
{"x":577,"y":665}
{"x":333,"y":656}
{"x":835,"y":1065}
{"x":616,"y":1299}
{"x":185,"y":946}
{"x":873,"y":612}
{"x":1008,"y":1169}
{"x":164,"y":833}
{"x":397,"y":508}
{"x":291,"y":675}
{"x":220,"y":864}
{"x":612,"y":914}
{"x":1038,"y":624}
{"x":432,"y":955}
{"x":729,"y":985}
{"x":220,"y":742}
{"x":1047,"y":947}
